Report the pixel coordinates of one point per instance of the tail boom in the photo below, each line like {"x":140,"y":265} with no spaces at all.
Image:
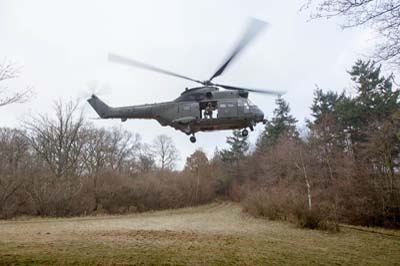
{"x":123,"y":113}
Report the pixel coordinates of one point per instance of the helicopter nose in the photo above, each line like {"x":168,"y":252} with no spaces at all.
{"x":259,"y":115}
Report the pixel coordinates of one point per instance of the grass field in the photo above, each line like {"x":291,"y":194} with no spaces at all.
{"x":215,"y":234}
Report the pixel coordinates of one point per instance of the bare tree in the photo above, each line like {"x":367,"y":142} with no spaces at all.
{"x":95,"y":148}
{"x":123,"y":148}
{"x":198,"y":166}
{"x":165,"y":151}
{"x":7,"y":72}
{"x":146,"y":162}
{"x":58,"y":144}
{"x":106,"y":152}
{"x":59,"y":141}
{"x":301,"y":165}
{"x":14,"y":163}
{"x":381,"y":15}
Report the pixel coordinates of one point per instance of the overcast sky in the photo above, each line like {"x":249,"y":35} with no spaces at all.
{"x":63,"y":45}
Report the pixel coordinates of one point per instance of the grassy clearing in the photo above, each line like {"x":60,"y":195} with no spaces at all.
{"x":216,"y":234}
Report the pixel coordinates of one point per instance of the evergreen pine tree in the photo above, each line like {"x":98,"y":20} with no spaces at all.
{"x":239,"y":145}
{"x":282,"y":124}
{"x":376,"y":100}
{"x":327,"y":127}
{"x":346,"y":119}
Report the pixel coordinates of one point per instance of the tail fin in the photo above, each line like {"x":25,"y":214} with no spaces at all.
{"x":102,"y":109}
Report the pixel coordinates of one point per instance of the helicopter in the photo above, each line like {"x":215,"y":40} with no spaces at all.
{"x":203,"y":108}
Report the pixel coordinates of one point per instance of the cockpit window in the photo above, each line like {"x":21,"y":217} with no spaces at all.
{"x":250,"y":103}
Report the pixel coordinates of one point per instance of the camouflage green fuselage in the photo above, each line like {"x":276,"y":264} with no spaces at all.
{"x":232,"y":110}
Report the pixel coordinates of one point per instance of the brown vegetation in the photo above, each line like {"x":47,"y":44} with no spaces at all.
{"x":345,"y":170}
{"x":64,"y":166}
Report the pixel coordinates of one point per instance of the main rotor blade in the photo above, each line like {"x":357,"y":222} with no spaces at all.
{"x":270,"y":92}
{"x":253,"y":29}
{"x":130,"y":62}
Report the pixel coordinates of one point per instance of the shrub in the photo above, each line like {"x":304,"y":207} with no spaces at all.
{"x":287,"y":204}
{"x":274,"y":204}
{"x":317,"y":218}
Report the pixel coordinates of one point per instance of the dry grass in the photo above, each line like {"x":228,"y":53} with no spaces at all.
{"x":216,"y":234}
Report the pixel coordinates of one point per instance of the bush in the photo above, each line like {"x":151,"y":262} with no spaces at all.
{"x":317,"y":218}
{"x":286,"y":204}
{"x":260,"y":204}
{"x":276,"y":204}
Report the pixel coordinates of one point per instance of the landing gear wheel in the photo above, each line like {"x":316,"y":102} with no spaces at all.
{"x":245,"y":132}
{"x":192,"y":139}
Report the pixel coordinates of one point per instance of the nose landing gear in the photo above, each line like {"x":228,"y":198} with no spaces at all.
{"x":193,"y":139}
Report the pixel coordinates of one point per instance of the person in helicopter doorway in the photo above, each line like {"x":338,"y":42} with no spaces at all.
{"x":208,"y":112}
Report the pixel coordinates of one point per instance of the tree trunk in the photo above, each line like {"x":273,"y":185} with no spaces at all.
{"x":303,"y":169}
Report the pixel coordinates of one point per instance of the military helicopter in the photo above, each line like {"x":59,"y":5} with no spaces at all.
{"x":203,"y":108}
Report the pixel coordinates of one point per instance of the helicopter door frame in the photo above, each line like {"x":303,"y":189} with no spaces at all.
{"x":202,"y":107}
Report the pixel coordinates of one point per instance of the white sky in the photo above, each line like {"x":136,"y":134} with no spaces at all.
{"x":63,"y":46}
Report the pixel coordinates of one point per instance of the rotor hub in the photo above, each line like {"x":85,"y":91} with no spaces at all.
{"x":207,"y":83}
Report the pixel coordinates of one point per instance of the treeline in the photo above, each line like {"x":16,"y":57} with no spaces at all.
{"x":63,"y":166}
{"x":343,"y":169}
